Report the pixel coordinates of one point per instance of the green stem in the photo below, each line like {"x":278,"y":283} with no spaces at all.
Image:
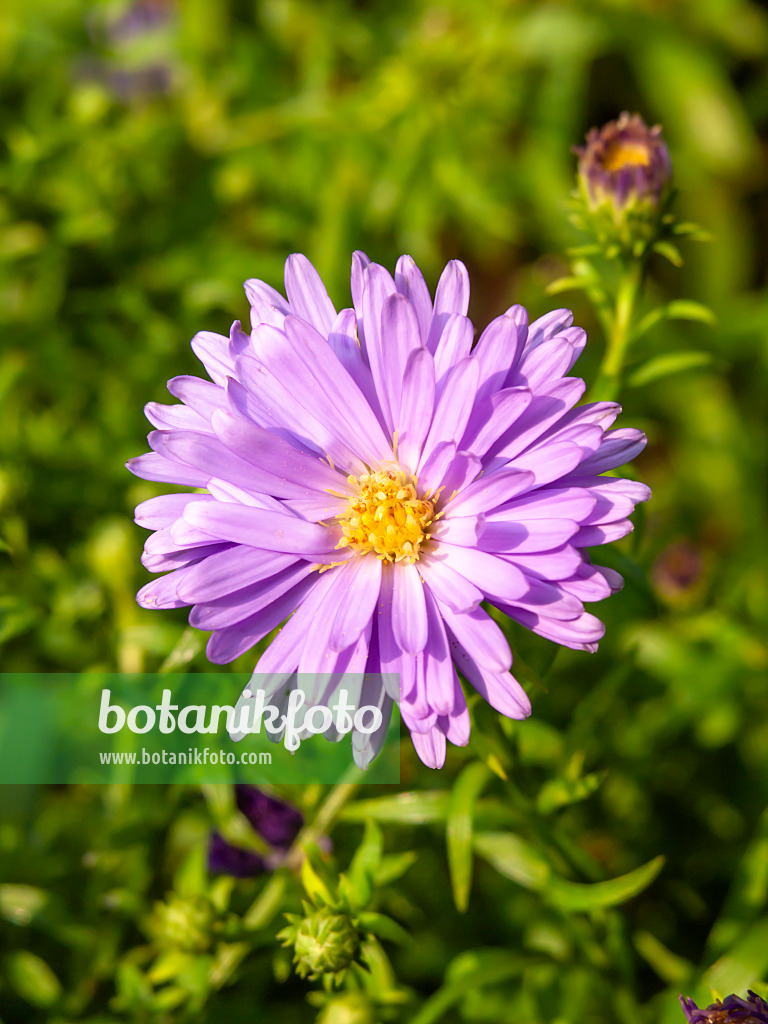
{"x":608,"y":380}
{"x":268,"y":902}
{"x":324,"y":818}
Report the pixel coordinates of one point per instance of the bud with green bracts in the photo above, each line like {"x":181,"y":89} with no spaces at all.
{"x":325,"y":942}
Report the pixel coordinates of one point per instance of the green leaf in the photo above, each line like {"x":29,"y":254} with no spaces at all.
{"x":19,"y":904}
{"x":513,"y":858}
{"x":314,"y":886}
{"x":673,"y":969}
{"x":743,"y":965}
{"x":567,"y":284}
{"x":33,"y":979}
{"x":394,"y":866}
{"x":405,"y":808}
{"x":576,"y":896}
{"x":267,"y":904}
{"x":190,"y":644}
{"x":679,"y":309}
{"x":556,"y":793}
{"x":748,"y":895}
{"x":384,"y":927}
{"x":466,"y":790}
{"x":365,"y":864}
{"x":667,"y":364}
{"x":473,"y":969}
{"x":669,"y":252}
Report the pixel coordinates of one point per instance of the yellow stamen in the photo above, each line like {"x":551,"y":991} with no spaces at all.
{"x":626,"y":154}
{"x":386,"y":516}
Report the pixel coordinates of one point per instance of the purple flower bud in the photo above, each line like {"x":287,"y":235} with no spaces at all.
{"x":140,"y":17}
{"x":276,"y":822}
{"x":225,"y":859}
{"x":623,"y":162}
{"x":731,"y":1010}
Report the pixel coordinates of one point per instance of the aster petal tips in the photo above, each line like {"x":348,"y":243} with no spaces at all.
{"x":371,"y":479}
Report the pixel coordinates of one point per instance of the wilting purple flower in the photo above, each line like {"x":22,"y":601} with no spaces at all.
{"x":732,"y":1010}
{"x":376,"y":478}
{"x":278,"y":823}
{"x":624,"y":161}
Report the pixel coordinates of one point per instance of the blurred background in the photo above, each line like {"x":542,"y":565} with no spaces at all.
{"x":153,"y":155}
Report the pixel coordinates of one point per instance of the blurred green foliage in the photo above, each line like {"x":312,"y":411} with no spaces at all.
{"x":144,"y":174}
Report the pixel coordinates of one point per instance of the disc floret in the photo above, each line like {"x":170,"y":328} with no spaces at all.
{"x":386,"y":516}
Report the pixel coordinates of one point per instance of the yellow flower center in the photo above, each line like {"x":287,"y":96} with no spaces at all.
{"x":386,"y":516}
{"x":627,"y":154}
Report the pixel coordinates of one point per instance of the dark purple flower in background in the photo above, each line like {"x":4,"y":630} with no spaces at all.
{"x":278,"y":824}
{"x":140,"y":57}
{"x":373,"y":477}
{"x":731,"y":1010}
{"x":226,"y":859}
{"x":623,"y":162}
{"x":137,"y":19}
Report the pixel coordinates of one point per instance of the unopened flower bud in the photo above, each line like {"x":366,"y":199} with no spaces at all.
{"x":326,"y":942}
{"x":350,"y":1008}
{"x":623,"y":163}
{"x":182,"y":923}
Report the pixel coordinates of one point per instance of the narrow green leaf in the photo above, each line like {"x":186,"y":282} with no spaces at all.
{"x":394,"y":866}
{"x":405,"y":808}
{"x":365,"y":864}
{"x":466,"y":790}
{"x":686,"y":309}
{"x":667,"y":364}
{"x":567,"y":284}
{"x":748,"y":895}
{"x":556,"y":793}
{"x":576,"y":896}
{"x":680,"y":309}
{"x":743,"y":965}
{"x":473,"y":969}
{"x":267,"y":904}
{"x":669,"y":252}
{"x":315,"y":887}
{"x":513,"y":858}
{"x":384,"y":927}
{"x":671,"y":968}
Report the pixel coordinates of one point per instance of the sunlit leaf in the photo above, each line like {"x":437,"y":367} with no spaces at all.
{"x":575,"y":896}
{"x":466,"y":790}
{"x":667,"y":364}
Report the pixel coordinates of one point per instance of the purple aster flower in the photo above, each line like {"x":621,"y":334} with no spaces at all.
{"x":277,"y":822}
{"x":624,"y":161}
{"x":373,"y":478}
{"x":732,"y":1010}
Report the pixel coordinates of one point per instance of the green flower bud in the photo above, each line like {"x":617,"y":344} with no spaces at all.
{"x":326,"y":942}
{"x":350,"y":1008}
{"x":182,"y":924}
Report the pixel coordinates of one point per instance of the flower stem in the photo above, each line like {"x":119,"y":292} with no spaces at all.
{"x":608,"y":383}
{"x":325,"y":817}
